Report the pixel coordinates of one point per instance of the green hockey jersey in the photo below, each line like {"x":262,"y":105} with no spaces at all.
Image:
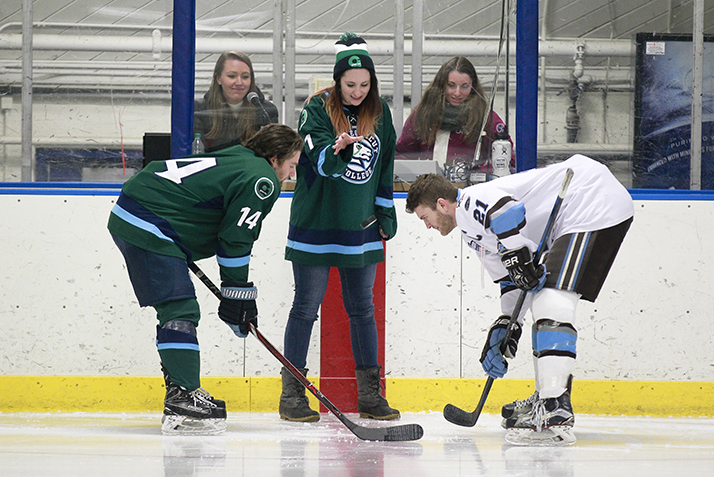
{"x":199,"y":206}
{"x":335,"y":194}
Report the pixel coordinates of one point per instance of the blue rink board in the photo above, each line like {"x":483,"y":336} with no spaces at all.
{"x":109,"y":188}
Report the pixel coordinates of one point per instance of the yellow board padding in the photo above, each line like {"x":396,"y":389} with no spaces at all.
{"x":634,"y":398}
{"x":261,"y":394}
{"x":130,"y":393}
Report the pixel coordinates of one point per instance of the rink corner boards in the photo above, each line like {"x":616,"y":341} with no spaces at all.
{"x":261,"y":394}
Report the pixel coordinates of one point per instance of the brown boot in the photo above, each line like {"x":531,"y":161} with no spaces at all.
{"x":294,"y":405}
{"x":370,"y":402}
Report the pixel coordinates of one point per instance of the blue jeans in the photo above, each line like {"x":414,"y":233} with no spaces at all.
{"x":310,"y":287}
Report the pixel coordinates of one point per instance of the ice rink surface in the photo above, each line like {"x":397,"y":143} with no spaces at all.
{"x":261,"y":445}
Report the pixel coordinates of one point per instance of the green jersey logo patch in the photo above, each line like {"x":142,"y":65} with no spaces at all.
{"x":264,"y":188}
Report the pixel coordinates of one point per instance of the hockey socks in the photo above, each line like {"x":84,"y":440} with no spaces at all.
{"x":178,"y":349}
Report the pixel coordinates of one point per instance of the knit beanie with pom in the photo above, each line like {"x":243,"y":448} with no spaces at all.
{"x":351,"y":51}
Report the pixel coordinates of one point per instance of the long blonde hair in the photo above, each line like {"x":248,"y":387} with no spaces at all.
{"x":430,"y":110}
{"x":223,"y":121}
{"x":370,"y":109}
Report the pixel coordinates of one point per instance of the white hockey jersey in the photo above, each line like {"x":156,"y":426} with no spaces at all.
{"x":594,"y":200}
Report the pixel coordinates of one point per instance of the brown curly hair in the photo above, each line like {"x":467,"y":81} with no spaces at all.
{"x":275,"y":140}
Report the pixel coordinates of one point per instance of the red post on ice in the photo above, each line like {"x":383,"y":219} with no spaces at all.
{"x":337,"y":365}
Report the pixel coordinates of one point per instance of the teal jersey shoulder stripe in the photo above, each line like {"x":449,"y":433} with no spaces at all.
{"x":509,"y":220}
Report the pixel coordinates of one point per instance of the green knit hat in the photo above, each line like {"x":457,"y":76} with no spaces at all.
{"x":351,"y":51}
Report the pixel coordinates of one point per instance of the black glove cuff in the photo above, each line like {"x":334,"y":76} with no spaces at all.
{"x":519,"y":257}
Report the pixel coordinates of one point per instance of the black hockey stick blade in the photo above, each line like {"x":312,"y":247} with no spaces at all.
{"x":460,"y":417}
{"x":404,"y":432}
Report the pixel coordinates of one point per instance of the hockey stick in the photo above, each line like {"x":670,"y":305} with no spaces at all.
{"x":405,"y":432}
{"x":460,"y":417}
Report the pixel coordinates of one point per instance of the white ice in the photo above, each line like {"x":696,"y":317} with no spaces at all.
{"x":261,"y":445}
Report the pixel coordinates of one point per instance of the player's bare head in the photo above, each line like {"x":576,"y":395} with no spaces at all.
{"x":275,"y":140}
{"x":427,"y":189}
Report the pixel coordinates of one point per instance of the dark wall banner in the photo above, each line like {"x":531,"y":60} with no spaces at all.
{"x":663,"y":112}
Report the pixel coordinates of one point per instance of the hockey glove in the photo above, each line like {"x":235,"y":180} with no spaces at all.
{"x":238,"y":306}
{"x":492,"y":360}
{"x":520,"y":268}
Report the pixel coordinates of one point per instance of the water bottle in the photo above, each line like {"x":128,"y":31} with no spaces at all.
{"x":197,"y":146}
{"x":501,"y":155}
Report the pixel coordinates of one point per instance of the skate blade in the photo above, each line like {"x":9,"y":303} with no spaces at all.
{"x":556,"y":436}
{"x":187,"y":426}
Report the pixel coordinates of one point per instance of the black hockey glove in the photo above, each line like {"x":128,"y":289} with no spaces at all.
{"x":492,"y":360}
{"x":523,"y":273}
{"x":238,"y":306}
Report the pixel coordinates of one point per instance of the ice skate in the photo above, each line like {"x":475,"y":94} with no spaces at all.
{"x":556,"y":436}
{"x":518,"y":408}
{"x":193,"y":413}
{"x":549,"y":423}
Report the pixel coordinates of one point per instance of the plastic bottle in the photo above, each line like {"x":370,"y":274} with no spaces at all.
{"x":197,"y":146}
{"x":501,"y":155}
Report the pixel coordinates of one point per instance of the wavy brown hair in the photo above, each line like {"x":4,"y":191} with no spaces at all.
{"x":370,"y":109}
{"x":430,"y":110}
{"x":223,"y":121}
{"x":275,"y":140}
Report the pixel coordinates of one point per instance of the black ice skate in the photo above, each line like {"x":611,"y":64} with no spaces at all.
{"x":549,"y":423}
{"x":545,"y":413}
{"x":519,"y":407}
{"x":192,"y":412}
